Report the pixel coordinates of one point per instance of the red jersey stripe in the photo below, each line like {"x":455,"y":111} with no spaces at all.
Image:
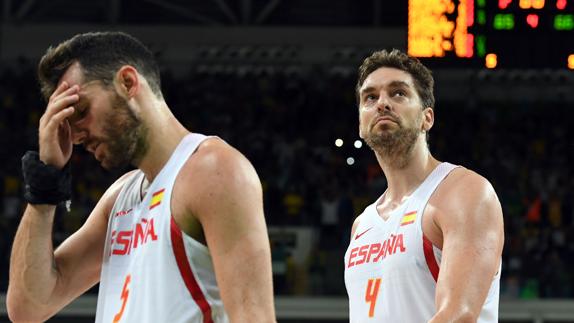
{"x":187,"y":273}
{"x":158,"y":192}
{"x":430,"y":258}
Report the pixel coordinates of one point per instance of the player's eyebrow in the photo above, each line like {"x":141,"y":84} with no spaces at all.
{"x":392,"y":84}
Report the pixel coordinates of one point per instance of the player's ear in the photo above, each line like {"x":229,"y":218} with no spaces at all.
{"x":428,"y":119}
{"x":127,"y":81}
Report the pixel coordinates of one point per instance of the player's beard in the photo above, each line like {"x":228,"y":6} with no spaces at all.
{"x":394,"y":146}
{"x":126,"y":136}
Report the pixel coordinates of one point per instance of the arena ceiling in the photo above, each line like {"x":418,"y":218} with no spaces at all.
{"x":379,"y":13}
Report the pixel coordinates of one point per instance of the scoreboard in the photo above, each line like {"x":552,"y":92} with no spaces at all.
{"x":493,"y":33}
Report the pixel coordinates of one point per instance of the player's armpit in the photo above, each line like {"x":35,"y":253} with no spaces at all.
{"x":470,"y":218}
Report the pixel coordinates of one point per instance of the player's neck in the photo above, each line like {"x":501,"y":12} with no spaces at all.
{"x":165,"y":132}
{"x":404,"y":176}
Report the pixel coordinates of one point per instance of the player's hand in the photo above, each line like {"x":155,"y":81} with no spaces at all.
{"x":55,"y":133}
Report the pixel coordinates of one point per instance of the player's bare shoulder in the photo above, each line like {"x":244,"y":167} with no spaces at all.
{"x":214,"y":173}
{"x":464,"y":197}
{"x":461,"y":187}
{"x":217,"y":162}
{"x":355,"y":225}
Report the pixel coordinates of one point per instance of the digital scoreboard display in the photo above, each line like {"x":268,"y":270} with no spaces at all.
{"x":493,"y":33}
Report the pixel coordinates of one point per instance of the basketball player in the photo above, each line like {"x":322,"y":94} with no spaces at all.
{"x":180,"y":239}
{"x":429,"y":249}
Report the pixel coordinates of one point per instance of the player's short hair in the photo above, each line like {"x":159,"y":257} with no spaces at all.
{"x":101,"y":55}
{"x":421,"y":75}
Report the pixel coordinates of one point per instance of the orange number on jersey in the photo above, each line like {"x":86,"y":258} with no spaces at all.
{"x":372,"y":294}
{"x":125,"y":295}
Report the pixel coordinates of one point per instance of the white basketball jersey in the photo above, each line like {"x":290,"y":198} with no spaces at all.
{"x":391,"y":268}
{"x":152,"y":271}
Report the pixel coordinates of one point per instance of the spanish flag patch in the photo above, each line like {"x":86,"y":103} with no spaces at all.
{"x":156,"y":198}
{"x":409,"y":218}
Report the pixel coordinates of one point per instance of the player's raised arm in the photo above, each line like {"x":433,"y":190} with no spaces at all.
{"x":43,"y":281}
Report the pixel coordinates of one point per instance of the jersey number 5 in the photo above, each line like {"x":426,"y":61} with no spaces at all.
{"x":124,"y":298}
{"x":372,"y":294}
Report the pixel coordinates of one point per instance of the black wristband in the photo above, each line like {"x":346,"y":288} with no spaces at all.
{"x":45,"y":184}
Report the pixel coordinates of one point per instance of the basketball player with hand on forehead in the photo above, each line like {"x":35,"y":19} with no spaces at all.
{"x":180,"y":239}
{"x":429,"y":249}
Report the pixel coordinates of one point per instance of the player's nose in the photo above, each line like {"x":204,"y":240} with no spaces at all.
{"x":383,"y":103}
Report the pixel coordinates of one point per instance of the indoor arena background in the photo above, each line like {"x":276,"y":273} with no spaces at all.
{"x":276,"y":79}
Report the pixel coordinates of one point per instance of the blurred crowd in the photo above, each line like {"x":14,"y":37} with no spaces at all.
{"x":286,"y":120}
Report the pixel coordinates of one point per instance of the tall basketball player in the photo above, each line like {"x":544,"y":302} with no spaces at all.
{"x":180,"y":239}
{"x":429,"y":249}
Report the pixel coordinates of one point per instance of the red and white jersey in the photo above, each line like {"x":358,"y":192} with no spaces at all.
{"x":152,"y":271}
{"x":391,"y":268}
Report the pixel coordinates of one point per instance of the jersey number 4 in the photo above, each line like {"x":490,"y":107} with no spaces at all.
{"x":372,"y":293}
{"x":124,"y":298}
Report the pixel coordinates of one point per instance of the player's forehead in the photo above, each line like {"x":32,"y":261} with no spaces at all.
{"x":73,"y":75}
{"x":385,"y":76}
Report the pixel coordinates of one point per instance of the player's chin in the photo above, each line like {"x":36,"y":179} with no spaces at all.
{"x":108,"y":164}
{"x":105,"y":165}
{"x":383,"y":129}
{"x":104,"y":160}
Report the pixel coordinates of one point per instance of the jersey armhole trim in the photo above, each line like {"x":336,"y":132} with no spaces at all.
{"x":430,"y":258}
{"x":187,"y":273}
